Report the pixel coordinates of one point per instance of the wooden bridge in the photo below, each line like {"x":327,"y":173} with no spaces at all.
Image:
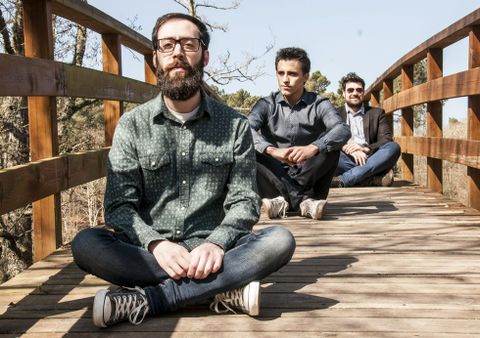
{"x":385,"y":262}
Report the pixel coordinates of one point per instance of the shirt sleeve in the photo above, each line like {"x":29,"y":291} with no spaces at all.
{"x":338,"y":132}
{"x":242,"y":202}
{"x":124,"y":189}
{"x":258,"y":118}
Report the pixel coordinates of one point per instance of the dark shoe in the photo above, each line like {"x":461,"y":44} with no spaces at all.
{"x":383,"y":180}
{"x":337,"y":182}
{"x":111,"y":307}
{"x":246,"y":299}
{"x":275,"y":207}
{"x":314,"y":209}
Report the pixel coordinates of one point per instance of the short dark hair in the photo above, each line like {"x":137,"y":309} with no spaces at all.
{"x":294,"y":53}
{"x":351,"y":77}
{"x":204,"y":35}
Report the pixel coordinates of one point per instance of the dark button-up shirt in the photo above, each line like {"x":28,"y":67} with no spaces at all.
{"x":188,"y":182}
{"x":312,"y":120}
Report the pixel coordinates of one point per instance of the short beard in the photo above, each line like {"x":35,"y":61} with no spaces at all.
{"x":181,"y":88}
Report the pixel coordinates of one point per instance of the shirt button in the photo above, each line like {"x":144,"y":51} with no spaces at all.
{"x":182,"y":208}
{"x":216,"y":159}
{"x":184,"y":127}
{"x":184,"y":182}
{"x":154,"y":163}
{"x":183,"y":154}
{"x":179,"y":232}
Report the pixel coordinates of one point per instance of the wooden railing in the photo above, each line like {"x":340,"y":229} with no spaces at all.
{"x":41,"y":79}
{"x":432,"y":92}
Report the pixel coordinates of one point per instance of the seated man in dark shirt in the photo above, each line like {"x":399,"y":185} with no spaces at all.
{"x":297,"y":136}
{"x":370,"y":154}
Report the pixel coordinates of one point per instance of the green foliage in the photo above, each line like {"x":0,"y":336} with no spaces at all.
{"x":317,"y":83}
{"x":241,"y":100}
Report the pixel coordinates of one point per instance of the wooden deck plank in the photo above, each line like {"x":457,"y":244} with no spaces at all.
{"x":384,"y":262}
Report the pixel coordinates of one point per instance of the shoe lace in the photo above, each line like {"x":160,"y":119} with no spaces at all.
{"x":280,"y":206}
{"x":227,"y":299}
{"x":132,"y":305}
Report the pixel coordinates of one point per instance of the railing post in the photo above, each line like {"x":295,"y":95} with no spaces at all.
{"x":375,"y":98}
{"x":434,"y":120}
{"x":150,"y":76}
{"x":406,"y":122}
{"x":112,"y":63}
{"x":387,"y":93}
{"x":473,"y":133}
{"x":42,"y":115}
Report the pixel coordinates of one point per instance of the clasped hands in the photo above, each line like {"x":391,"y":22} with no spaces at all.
{"x":178,"y":263}
{"x":293,"y":155}
{"x":358,"y":152}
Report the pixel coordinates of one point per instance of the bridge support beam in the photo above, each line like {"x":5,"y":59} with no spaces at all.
{"x":42,"y":115}
{"x":112,"y":63}
{"x":434,"y":120}
{"x":473,"y":133}
{"x":406,"y":123}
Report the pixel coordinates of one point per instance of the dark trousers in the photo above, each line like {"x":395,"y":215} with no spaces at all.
{"x":296,"y":183}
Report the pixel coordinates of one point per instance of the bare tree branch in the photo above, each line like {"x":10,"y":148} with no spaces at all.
{"x":208,"y":4}
{"x":5,"y":35}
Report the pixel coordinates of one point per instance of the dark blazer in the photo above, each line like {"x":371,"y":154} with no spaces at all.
{"x":375,"y":126}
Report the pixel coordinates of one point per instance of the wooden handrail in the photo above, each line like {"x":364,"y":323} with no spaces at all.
{"x":23,"y":184}
{"x":432,"y":92}
{"x":100,"y":22}
{"x":445,"y":38}
{"x":22,"y":76}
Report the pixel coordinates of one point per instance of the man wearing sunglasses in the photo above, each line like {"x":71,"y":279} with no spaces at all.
{"x":298,"y":136}
{"x":181,"y":198}
{"x":370,"y":154}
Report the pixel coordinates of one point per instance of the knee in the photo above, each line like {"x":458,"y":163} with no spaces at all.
{"x":395,"y":147}
{"x":85,"y":244}
{"x":282,"y":242}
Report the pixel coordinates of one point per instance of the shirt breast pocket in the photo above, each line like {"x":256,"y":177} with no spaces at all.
{"x":215,"y":168}
{"x":157,"y":173}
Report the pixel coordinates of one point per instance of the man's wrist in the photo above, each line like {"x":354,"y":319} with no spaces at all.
{"x":269,"y":150}
{"x":153,"y":244}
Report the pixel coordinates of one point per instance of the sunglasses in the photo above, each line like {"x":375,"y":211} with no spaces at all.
{"x":358,"y":90}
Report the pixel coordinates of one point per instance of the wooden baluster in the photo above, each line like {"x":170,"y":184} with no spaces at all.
{"x":387,"y":93}
{"x":375,"y":98}
{"x":112,"y":63}
{"x":42,"y":115}
{"x":473,"y":133}
{"x":434,"y":120}
{"x":406,"y":122}
{"x":150,"y":76}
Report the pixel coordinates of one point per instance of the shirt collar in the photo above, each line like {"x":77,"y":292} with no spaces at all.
{"x":361,"y":111}
{"x":280,"y":99}
{"x":161,"y":109}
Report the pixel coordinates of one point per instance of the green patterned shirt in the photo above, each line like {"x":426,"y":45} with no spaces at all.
{"x":185,"y":182}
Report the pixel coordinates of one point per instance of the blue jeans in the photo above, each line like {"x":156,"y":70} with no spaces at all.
{"x":113,"y":258}
{"x":379,"y":162}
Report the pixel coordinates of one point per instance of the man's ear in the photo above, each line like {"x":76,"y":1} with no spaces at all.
{"x":305,"y":77}
{"x":154,"y":59}
{"x":206,"y":57}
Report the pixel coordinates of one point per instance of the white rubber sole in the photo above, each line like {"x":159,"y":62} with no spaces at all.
{"x":98,"y":308}
{"x":254,"y":298}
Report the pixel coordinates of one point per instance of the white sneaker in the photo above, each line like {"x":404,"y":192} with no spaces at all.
{"x":275,"y":207}
{"x":246,"y":299}
{"x":314,"y":209}
{"x":111,"y":307}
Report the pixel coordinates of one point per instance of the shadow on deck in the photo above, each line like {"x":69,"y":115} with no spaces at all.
{"x":393,"y":262}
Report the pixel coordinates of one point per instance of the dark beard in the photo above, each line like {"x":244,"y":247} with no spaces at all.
{"x":181,"y":88}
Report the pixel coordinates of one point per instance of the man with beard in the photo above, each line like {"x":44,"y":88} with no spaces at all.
{"x":181,"y":198}
{"x":370,"y":154}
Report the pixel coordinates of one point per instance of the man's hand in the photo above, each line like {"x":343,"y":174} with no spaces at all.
{"x":360,"y":157}
{"x":206,"y":258}
{"x":299,"y":155}
{"x":353,"y":147}
{"x":171,"y":257}
{"x":280,"y":154}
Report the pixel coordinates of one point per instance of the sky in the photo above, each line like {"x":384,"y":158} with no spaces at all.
{"x":366,"y":37}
